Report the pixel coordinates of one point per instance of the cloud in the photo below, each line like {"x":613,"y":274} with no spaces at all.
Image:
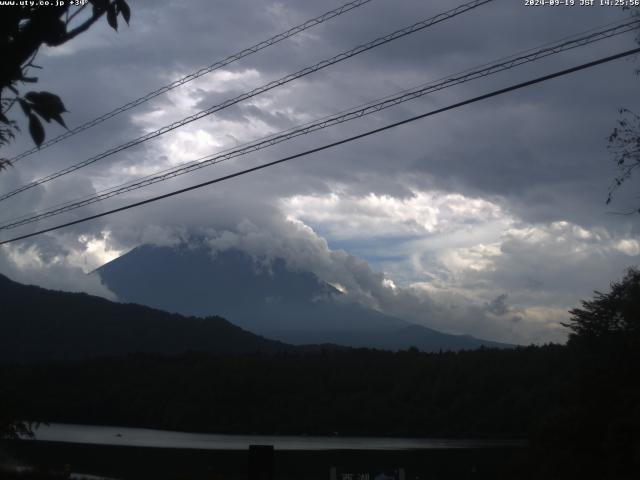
{"x":424,"y":303}
{"x":55,"y":268}
{"x":498,"y":305}
{"x":352,"y":216}
{"x":472,"y":255}
{"x":503,"y":197}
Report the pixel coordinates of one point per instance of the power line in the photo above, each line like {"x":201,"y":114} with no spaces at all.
{"x":204,"y":158}
{"x":345,"y":116}
{"x":199,"y":73}
{"x":334,"y":144}
{"x":257,"y":91}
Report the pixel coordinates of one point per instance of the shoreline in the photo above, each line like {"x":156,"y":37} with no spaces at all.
{"x":125,"y":462}
{"x":156,"y":438}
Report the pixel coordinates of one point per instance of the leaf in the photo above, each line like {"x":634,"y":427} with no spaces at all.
{"x":53,"y":29}
{"x":112,"y":16}
{"x":58,"y":118}
{"x":36,"y":130}
{"x":26,"y":107}
{"x":44,"y":115}
{"x":124,"y":9}
{"x":100,"y":4}
{"x":47,"y":105}
{"x":4,"y":162}
{"x":4,"y":119}
{"x":51,"y":100}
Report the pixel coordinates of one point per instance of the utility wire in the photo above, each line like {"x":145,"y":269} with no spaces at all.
{"x":486,"y":96}
{"x":257,"y":91}
{"x":503,"y":59}
{"x":348,"y":115}
{"x":565,"y":43}
{"x":192,"y":76}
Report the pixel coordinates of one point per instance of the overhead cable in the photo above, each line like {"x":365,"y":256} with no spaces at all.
{"x":197,"y":74}
{"x":358,"y":112}
{"x":334,"y":144}
{"x":257,"y":91}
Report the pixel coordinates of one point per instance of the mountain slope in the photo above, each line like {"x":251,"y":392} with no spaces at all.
{"x":190,"y":281}
{"x":295,"y":307}
{"x":40,"y":324}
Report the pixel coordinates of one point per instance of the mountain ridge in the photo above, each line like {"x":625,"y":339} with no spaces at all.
{"x":41,"y":324}
{"x":291,"y":306}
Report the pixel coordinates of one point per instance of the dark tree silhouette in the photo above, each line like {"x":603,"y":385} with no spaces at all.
{"x":624,"y":141}
{"x":612,"y":314}
{"x":23,"y":30}
{"x":594,"y":433}
{"x":624,"y":144}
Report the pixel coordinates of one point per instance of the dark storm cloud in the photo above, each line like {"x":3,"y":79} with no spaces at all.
{"x":535,"y":156}
{"x":498,"y":305}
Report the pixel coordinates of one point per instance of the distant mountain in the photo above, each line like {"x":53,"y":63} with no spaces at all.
{"x":39,"y":324}
{"x":423,"y":338}
{"x":294,"y":307}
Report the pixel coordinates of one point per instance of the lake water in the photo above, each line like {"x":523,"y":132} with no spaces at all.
{"x":141,"y":437}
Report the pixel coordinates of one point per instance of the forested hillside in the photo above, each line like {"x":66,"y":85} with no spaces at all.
{"x":352,"y":392}
{"x":39,"y":324}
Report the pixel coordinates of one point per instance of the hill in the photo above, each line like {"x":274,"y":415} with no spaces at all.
{"x":39,"y":324}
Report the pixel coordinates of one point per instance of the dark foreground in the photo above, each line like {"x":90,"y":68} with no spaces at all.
{"x":182,"y":464}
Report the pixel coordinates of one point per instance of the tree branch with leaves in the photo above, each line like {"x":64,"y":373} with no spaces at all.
{"x":612,"y":315}
{"x":624,"y":141}
{"x":624,"y":145}
{"x":24,"y":30}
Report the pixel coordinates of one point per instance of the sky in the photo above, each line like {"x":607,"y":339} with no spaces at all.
{"x":488,"y":220}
